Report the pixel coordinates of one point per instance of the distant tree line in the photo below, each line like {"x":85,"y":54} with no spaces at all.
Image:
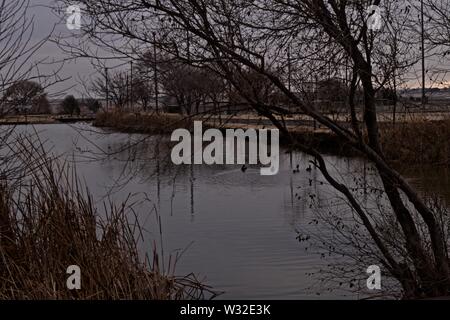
{"x":29,"y":97}
{"x":72,"y":106}
{"x":25,"y":96}
{"x":187,"y":88}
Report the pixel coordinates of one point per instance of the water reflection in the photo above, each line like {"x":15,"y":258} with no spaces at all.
{"x":237,"y":230}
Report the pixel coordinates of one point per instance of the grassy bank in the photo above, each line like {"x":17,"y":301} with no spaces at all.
{"x":166,"y":123}
{"x":418,"y":142}
{"x":412,"y":142}
{"x":141,"y":123}
{"x":43,"y":119}
{"x":48,"y":223}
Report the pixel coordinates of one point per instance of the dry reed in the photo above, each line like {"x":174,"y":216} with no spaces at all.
{"x":48,"y":223}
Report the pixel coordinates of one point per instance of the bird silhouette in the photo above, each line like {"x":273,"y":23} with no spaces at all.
{"x":244,"y":168}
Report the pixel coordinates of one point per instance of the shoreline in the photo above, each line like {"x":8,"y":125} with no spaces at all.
{"x":324,"y":140}
{"x":44,"y":119}
{"x":418,"y":141}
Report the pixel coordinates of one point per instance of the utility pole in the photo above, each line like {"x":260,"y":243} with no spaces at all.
{"x":127,"y":96}
{"x":289,"y":73}
{"x":394,"y":110}
{"x":155,"y":66}
{"x":107,"y":88}
{"x":316,"y":99}
{"x":424,"y":97}
{"x":131,"y":84}
{"x":188,"y":46}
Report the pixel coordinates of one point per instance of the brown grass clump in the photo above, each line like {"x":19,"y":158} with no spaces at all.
{"x":412,"y":141}
{"x":142,"y":123}
{"x":48,"y":224}
{"x":417,"y":142}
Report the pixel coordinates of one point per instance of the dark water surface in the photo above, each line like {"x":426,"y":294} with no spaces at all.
{"x":237,"y":230}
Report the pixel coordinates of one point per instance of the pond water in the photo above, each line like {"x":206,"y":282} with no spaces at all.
{"x":236,"y":230}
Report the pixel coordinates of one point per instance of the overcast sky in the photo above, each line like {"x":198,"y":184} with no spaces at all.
{"x":45,"y":20}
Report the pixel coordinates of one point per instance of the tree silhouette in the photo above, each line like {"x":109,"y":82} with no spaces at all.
{"x":70,"y":105}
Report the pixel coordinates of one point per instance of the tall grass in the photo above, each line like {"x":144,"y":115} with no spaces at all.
{"x":49,"y":222}
{"x":418,"y":142}
{"x":141,"y":123}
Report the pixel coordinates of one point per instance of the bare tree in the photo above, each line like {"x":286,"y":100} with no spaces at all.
{"x":190,"y":86}
{"x":323,"y":35}
{"x":70,"y":105}
{"x":26,"y":97}
{"x":437,"y":45}
{"x":18,"y":48}
{"x":116,"y":88}
{"x":186,"y":84}
{"x":19,"y":65}
{"x":438,"y":23}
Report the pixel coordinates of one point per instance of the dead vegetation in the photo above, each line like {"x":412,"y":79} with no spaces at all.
{"x":417,"y":142}
{"x":151,"y":123}
{"x":49,"y":222}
